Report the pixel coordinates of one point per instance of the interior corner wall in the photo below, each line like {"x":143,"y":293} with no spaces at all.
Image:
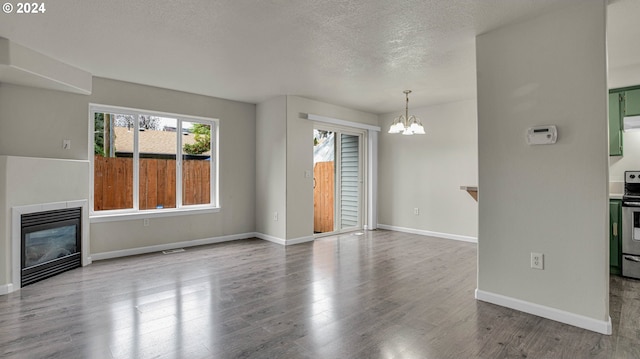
{"x":271,"y":156}
{"x":551,"y":199}
{"x":33,"y":123}
{"x":426,"y":172}
{"x":237,"y":168}
{"x":299,"y":202}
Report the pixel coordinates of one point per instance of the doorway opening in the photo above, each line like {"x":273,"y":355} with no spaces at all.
{"x":337,"y":180}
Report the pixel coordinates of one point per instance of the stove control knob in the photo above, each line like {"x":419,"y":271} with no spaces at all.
{"x":632,"y":176}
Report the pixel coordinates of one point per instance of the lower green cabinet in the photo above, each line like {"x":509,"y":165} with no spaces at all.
{"x":615,"y":236}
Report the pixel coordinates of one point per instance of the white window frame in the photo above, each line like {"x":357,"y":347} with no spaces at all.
{"x":135,"y":212}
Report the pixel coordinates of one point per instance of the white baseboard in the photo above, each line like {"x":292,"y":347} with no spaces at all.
{"x":422,"y":232}
{"x":174,"y":245}
{"x":6,"y":288}
{"x":269,"y":238}
{"x":284,"y":242}
{"x":196,"y":242}
{"x":300,"y":240}
{"x":599,"y":326}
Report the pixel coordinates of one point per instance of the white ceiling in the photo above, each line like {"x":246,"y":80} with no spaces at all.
{"x":360,"y":54}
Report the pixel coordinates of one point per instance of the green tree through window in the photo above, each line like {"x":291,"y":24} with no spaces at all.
{"x":202,"y":137}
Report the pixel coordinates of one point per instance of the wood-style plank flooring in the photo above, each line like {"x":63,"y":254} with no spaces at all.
{"x":381,"y":295}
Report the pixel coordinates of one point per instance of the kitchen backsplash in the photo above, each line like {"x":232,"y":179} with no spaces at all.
{"x":629,"y":161}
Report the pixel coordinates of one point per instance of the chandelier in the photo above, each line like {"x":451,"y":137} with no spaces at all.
{"x":405,"y":124}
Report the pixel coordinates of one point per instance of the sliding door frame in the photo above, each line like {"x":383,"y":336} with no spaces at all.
{"x":338,"y":131}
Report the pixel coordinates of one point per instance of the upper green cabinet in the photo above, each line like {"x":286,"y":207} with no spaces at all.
{"x":623,"y":102}
{"x":615,"y":124}
{"x":632,"y":102}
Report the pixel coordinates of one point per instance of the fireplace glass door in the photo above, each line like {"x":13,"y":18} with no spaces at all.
{"x":49,"y":244}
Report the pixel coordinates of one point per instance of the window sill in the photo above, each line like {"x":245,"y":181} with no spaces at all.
{"x":116,"y":217}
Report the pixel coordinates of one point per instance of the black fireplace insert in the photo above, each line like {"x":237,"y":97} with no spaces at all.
{"x":51,"y":243}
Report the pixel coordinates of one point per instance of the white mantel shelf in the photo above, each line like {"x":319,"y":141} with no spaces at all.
{"x":471,"y":190}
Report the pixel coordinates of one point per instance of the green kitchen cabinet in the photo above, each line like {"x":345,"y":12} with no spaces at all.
{"x":615,"y":236}
{"x":632,"y":102}
{"x":615,"y":123}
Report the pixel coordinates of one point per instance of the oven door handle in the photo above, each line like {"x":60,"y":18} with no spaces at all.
{"x":632,"y":258}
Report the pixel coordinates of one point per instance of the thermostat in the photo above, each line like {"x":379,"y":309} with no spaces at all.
{"x":542,"y":135}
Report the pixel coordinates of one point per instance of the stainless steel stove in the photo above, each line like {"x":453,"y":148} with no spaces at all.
{"x":631,"y":225}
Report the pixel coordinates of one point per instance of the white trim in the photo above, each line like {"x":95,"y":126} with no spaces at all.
{"x":580,"y":321}
{"x":135,"y":111}
{"x":299,"y":240}
{"x":269,"y":238}
{"x":372,"y":181}
{"x":197,"y":242}
{"x":174,"y":245}
{"x":336,"y":121}
{"x":284,"y":242}
{"x":115,"y":217}
{"x":6,"y":288}
{"x":422,"y":232}
{"x":213,"y":172}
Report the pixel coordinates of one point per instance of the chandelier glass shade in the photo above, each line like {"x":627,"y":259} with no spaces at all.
{"x":405,"y":124}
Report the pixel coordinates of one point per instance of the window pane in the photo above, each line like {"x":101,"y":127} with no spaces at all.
{"x":324,"y":148}
{"x":157,"y":145}
{"x":112,"y":161}
{"x":349,"y":181}
{"x":196,"y":163}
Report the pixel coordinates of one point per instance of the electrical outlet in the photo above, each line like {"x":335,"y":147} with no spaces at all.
{"x":416,"y":211}
{"x":275,"y":216}
{"x":537,"y":260}
{"x":145,"y":222}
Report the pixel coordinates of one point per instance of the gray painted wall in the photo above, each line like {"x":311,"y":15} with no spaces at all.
{"x":271,"y":157}
{"x":426,"y":171}
{"x":550,"y":199}
{"x":33,"y":122}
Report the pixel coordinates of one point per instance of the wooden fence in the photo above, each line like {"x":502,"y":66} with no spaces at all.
{"x":323,"y":188}
{"x":113,"y":183}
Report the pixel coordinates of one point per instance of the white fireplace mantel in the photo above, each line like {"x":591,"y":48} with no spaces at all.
{"x":30,"y":183}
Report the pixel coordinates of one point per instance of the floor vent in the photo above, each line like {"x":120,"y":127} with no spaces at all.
{"x":171,"y":251}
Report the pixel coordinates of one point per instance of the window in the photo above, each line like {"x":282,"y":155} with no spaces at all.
{"x":151,"y":162}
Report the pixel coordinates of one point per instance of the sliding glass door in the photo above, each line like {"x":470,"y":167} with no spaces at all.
{"x":337,"y":181}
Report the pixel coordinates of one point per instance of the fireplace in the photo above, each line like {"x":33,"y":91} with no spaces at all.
{"x":48,"y":239}
{"x":51,"y":243}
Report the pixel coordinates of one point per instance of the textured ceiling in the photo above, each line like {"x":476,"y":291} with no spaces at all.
{"x":359,"y":54}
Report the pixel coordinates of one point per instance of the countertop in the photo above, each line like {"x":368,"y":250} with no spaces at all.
{"x":471,"y":190}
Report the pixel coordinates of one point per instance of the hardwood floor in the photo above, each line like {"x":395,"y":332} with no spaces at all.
{"x":382,"y":295}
